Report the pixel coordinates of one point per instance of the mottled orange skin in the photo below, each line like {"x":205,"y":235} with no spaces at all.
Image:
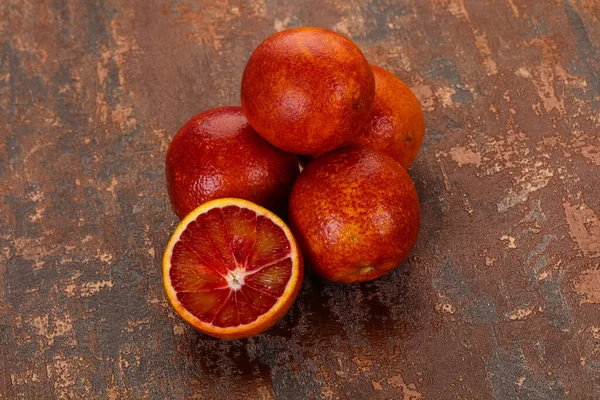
{"x":355,"y":213}
{"x":395,"y":126}
{"x":307,"y":90}
{"x":217,"y":154}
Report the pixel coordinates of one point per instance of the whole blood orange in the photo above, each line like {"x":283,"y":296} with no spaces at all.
{"x":355,"y":213}
{"x":217,"y":154}
{"x":395,"y":126}
{"x":232,"y":269}
{"x":307,"y":90}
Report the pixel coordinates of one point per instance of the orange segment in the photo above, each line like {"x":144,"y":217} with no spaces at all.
{"x":232,"y":269}
{"x":260,"y":301}
{"x":241,"y":225}
{"x":271,"y":278}
{"x":271,"y":244}
{"x":189,"y":273}
{"x":204,"y":307}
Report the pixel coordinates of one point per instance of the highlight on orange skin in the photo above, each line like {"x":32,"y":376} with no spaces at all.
{"x":307,"y":90}
{"x":395,"y":126}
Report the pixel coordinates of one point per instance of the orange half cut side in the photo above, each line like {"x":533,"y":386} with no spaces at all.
{"x":232,"y":268}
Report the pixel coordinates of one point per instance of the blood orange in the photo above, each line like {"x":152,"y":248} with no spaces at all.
{"x":218,"y":154}
{"x":395,"y":126}
{"x":355,"y":213}
{"x":307,"y":90}
{"x":232,"y":268}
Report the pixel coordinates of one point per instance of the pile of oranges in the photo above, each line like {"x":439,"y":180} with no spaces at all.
{"x":233,"y":267}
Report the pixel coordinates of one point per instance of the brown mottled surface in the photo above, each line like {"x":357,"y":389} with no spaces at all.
{"x":500,"y":299}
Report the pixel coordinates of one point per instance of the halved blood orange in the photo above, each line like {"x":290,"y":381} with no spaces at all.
{"x":232,"y":268}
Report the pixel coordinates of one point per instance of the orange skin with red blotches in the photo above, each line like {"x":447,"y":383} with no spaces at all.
{"x":218,"y":154}
{"x":395,"y":126}
{"x":355,"y":213}
{"x":307,"y":90}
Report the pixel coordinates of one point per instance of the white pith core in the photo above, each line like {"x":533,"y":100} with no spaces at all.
{"x":235,"y":278}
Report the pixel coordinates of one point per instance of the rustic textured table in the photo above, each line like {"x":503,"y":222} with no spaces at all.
{"x":500,"y":299}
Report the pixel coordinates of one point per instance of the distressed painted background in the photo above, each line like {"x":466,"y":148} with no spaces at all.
{"x":500,"y":299}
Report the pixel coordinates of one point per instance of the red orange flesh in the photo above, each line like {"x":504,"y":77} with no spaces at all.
{"x":232,"y":269}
